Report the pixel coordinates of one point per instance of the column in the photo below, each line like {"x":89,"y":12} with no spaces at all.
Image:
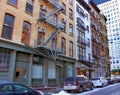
{"x":30,"y":70}
{"x":12,"y":66}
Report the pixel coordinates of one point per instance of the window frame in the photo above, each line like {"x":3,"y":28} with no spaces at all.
{"x":71,"y":49}
{"x":70,"y":13}
{"x":28,"y":33}
{"x":6,"y":25}
{"x":70,"y":29}
{"x":64,"y":8}
{"x":31,"y":4}
{"x":71,"y":2}
{"x":4,"y":53}
{"x":63,"y":45}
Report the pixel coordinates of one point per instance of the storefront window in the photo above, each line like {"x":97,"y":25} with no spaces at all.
{"x":51,"y":71}
{"x":4,"y":59}
{"x":70,"y":70}
{"x":37,"y":71}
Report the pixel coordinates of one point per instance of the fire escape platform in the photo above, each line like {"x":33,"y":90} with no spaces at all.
{"x":50,"y":52}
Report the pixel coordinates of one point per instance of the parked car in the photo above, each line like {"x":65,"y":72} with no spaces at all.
{"x":77,"y":83}
{"x":99,"y":81}
{"x":113,"y":79}
{"x":110,"y":80}
{"x":117,"y":79}
{"x":17,"y":89}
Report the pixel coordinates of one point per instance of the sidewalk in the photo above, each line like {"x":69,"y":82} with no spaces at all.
{"x":49,"y":90}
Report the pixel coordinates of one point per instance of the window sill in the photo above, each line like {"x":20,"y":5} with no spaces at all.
{"x":29,"y":13}
{"x":12,"y":4}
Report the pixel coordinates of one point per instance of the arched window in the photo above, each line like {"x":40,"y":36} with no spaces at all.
{"x":26,"y":32}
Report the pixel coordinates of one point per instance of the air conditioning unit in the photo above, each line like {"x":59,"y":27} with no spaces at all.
{"x":41,"y":30}
{"x":44,"y":8}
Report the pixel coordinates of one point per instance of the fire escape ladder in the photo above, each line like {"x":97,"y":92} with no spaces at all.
{"x":49,"y":19}
{"x":52,"y":36}
{"x":54,"y":12}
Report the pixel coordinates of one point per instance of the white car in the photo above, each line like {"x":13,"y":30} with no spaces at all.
{"x":99,"y":81}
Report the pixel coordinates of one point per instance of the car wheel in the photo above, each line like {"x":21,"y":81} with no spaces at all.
{"x":69,"y":91}
{"x":102,"y":85}
{"x":91,"y":88}
{"x":80,"y":89}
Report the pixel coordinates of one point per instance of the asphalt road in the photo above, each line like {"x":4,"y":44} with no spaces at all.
{"x":110,"y":90}
{"x":113,"y":89}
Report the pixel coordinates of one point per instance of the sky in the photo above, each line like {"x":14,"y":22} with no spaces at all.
{"x":100,"y":1}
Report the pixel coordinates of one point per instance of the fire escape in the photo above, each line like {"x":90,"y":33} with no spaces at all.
{"x":49,"y":19}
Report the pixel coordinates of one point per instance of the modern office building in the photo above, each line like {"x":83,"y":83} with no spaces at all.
{"x":111,"y":10}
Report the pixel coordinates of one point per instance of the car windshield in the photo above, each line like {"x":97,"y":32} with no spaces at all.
{"x":95,"y":78}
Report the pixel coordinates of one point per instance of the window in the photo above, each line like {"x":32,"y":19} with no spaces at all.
{"x":13,"y":2}
{"x":70,"y":29}
{"x":6,"y":88}
{"x":26,"y":32}
{"x":64,"y":8}
{"x":4,"y":59}
{"x":63,"y":45}
{"x":70,"y":70}
{"x":37,"y":71}
{"x":71,"y":49}
{"x":80,"y":11}
{"x":70,"y":14}
{"x":8,"y":26}
{"x":88,"y":43}
{"x":81,"y":37}
{"x":80,"y":23}
{"x":29,"y":6}
{"x":51,"y":70}
{"x":64,"y":24}
{"x":89,"y":57}
{"x":81,"y":53}
{"x":71,"y":2}
{"x":40,"y":39}
{"x":54,"y":43}
{"x":20,"y":88}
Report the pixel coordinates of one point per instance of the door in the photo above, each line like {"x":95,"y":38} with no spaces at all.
{"x":59,"y":75}
{"x":22,"y":68}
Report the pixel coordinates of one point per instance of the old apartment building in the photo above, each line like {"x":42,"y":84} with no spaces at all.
{"x":40,"y":43}
{"x":83,"y":38}
{"x":99,"y":42}
{"x":37,"y":41}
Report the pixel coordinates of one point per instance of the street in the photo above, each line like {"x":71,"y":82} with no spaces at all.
{"x":108,"y":90}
